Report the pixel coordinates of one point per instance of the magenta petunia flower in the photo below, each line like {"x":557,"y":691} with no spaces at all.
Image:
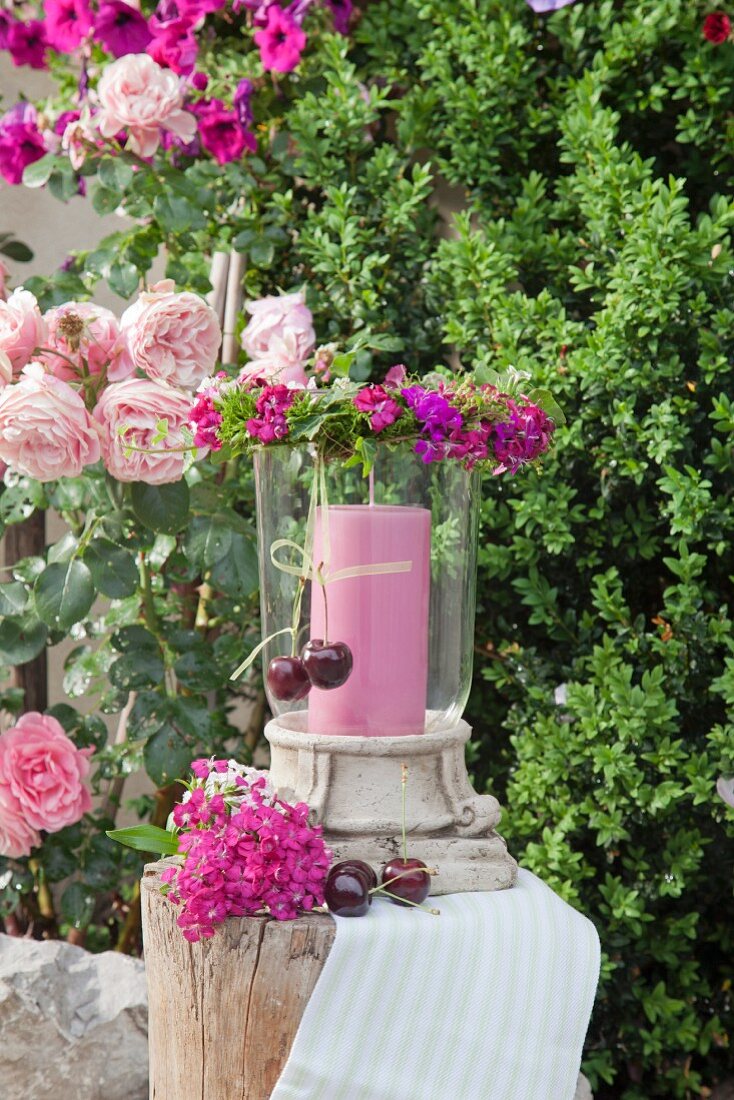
{"x":242,"y":103}
{"x":542,"y":6}
{"x":121,"y":29}
{"x":341,"y":11}
{"x":522,"y":438}
{"x":220,"y":131}
{"x":21,"y":142}
{"x":281,"y":41}
{"x":175,"y":47}
{"x":28,"y":43}
{"x":67,"y":22}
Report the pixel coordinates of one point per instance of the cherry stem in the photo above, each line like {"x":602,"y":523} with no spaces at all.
{"x":404,"y":780}
{"x":416,"y":904}
{"x":326,"y":604}
{"x":408,"y":871}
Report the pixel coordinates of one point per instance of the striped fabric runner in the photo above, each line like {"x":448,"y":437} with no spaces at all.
{"x":489,"y":1001}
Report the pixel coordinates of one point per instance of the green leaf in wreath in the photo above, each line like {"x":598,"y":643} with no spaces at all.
{"x":64,"y":593}
{"x":545,"y":401}
{"x":146,"y":838}
{"x":163,"y":508}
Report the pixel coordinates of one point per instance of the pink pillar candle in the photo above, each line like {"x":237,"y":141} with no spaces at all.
{"x":383,"y":619}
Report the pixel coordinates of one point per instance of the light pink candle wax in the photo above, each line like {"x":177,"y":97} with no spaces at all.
{"x":383,"y":619}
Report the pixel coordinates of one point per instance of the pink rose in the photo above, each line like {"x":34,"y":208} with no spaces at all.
{"x":21,"y":327}
{"x":172,"y":337}
{"x":138,"y":406}
{"x":4,"y":272}
{"x":43,"y":771}
{"x":82,"y":330}
{"x":281,"y":329}
{"x":6,"y":370}
{"x":45,"y":429}
{"x":276,"y":370}
{"x":137,"y":95}
{"x":16,"y":836}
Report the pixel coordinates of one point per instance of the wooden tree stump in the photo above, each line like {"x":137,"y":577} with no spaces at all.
{"x":223,"y":1013}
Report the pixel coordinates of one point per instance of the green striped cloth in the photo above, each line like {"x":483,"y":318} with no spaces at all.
{"x":489,"y":1001}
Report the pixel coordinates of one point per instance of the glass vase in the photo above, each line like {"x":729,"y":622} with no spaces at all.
{"x":389,"y":562}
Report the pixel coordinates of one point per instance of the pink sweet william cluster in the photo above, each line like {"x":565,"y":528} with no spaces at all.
{"x":245,"y":850}
{"x":77,"y":385}
{"x":42,"y":775}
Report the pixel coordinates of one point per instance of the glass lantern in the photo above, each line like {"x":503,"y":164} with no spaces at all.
{"x":385,"y":564}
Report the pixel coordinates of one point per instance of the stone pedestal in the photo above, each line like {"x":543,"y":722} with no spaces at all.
{"x":353,"y":786}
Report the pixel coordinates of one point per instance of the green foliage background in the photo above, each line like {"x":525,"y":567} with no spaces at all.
{"x":591,"y":152}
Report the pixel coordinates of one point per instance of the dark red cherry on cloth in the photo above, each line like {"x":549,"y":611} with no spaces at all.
{"x":347,"y":893}
{"x":414,"y":883}
{"x":357,"y":865}
{"x":328,"y":666}
{"x":288,"y":679}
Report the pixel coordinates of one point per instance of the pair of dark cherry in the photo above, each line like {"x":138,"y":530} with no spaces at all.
{"x":321,"y":665}
{"x":351,"y":884}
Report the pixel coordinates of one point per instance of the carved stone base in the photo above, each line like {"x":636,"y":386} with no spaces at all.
{"x":353,"y":786}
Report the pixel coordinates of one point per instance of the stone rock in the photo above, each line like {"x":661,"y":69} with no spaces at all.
{"x":73,"y":1024}
{"x":583,"y":1089}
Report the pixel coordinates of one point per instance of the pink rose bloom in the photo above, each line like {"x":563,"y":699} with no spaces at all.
{"x":100,"y":342}
{"x":281,"y":328}
{"x":137,"y":95}
{"x":172,"y":337}
{"x":281,"y":41}
{"x":45,"y":429}
{"x":43,"y":770}
{"x":137,"y":405}
{"x":275,"y":370}
{"x":6,"y":370}
{"x":16,"y":835}
{"x":22,"y":328}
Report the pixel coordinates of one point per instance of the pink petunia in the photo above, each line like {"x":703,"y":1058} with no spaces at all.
{"x":281,"y":41}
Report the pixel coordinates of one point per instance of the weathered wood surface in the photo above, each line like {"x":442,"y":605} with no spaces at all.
{"x":223,"y":1013}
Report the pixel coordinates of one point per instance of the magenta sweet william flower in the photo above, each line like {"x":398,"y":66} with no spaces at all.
{"x":522,"y":438}
{"x":281,"y":41}
{"x":205,"y":419}
{"x":244,"y":849}
{"x":67,"y":22}
{"x":121,"y":29}
{"x":28,"y":43}
{"x":433,"y":411}
{"x":220,"y":131}
{"x":21,"y":142}
{"x":271,"y":406}
{"x":381,"y":408}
